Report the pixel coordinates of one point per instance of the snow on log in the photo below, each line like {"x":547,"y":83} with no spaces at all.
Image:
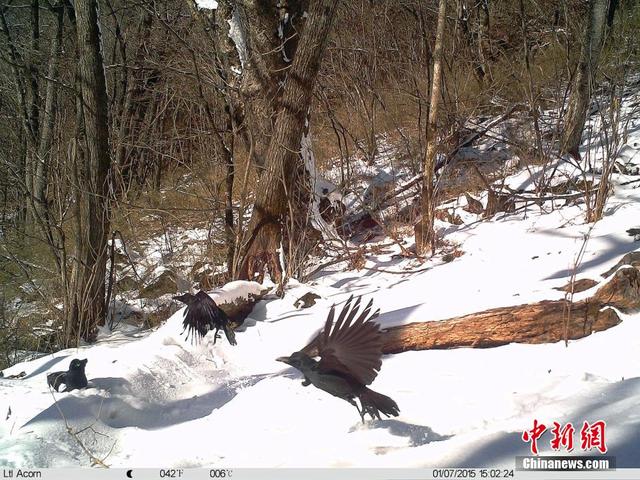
{"x":547,"y":321}
{"x":238,"y":298}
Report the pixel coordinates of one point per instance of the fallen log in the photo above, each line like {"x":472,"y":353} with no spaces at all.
{"x":547,"y":321}
{"x":578,"y":286}
{"x":543,"y":322}
{"x":631,"y":258}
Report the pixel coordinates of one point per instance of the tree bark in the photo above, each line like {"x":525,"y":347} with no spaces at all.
{"x":88,"y":309}
{"x":584,"y":79}
{"x":270,"y":33}
{"x":425,"y":235}
{"x":283,"y":154}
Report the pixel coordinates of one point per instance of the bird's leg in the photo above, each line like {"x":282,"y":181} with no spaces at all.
{"x":355,"y":404}
{"x":306,"y":382}
{"x":216,"y":335}
{"x":370,"y":409}
{"x":373,"y":412}
{"x":362,"y":413}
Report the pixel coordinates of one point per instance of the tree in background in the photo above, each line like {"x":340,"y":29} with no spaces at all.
{"x":277,"y":183}
{"x":424,"y":231}
{"x":584,"y":79}
{"x":87,"y":307}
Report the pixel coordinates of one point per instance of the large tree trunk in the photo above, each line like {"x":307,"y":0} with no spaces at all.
{"x":265,"y":60}
{"x":584,"y":79}
{"x":425,"y":235}
{"x":283,"y":154}
{"x":88,"y":309}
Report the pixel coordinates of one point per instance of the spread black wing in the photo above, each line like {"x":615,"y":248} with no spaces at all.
{"x":203,"y":315}
{"x":351,"y":347}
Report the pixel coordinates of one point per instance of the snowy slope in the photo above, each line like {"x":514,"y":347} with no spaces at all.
{"x":154,"y":396}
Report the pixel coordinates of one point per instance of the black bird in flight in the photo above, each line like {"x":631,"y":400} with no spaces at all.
{"x":202,"y":314}
{"x":350,"y":357}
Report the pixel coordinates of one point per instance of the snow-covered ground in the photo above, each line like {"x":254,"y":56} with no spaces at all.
{"x":152,"y":396}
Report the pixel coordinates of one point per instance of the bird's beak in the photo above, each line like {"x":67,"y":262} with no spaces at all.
{"x":282,"y":359}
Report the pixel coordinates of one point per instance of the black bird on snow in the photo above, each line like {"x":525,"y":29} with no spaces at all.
{"x":202,"y":315}
{"x":350,"y":357}
{"x":74,"y":378}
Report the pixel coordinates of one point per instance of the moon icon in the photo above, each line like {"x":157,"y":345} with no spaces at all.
{"x":129,"y":475}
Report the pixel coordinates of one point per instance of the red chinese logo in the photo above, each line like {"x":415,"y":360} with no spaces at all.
{"x":533,"y":435}
{"x":562,"y":437}
{"x":591,"y":436}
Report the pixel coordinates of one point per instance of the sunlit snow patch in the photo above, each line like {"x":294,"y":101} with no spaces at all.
{"x":208,"y":4}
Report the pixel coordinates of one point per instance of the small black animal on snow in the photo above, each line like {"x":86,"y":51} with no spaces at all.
{"x":307,"y":300}
{"x":350,"y":357}
{"x":202,"y":315}
{"x":74,"y":378}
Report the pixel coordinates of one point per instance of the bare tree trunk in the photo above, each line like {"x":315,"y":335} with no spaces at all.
{"x":475,"y":44}
{"x":38,"y":129}
{"x":283,"y":153}
{"x":226,"y":141}
{"x":134,"y":104}
{"x":584,"y":79}
{"x":88,"y":307}
{"x":46,"y":135}
{"x":24,"y":170}
{"x":228,"y":208}
{"x":43,"y":157}
{"x":34,"y":107}
{"x":265,"y":61}
{"x":425,"y":235}
{"x":483,"y":36}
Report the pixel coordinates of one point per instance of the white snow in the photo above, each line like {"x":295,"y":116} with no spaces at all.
{"x":318,"y":184}
{"x":207,"y":4}
{"x":154,"y":396}
{"x":238,"y":36}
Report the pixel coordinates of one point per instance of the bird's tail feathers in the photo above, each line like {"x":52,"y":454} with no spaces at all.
{"x":375,"y":403}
